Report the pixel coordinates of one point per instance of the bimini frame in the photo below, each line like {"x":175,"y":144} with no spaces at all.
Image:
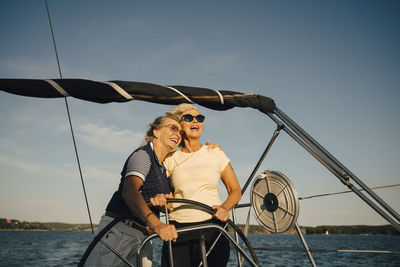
{"x":335,"y":167}
{"x":330,"y":162}
{"x":123,"y":91}
{"x":283,"y":122}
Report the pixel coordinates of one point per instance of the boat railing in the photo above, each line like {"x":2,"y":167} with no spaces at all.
{"x":253,"y":260}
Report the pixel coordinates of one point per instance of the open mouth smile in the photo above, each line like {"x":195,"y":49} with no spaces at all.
{"x":174,"y":139}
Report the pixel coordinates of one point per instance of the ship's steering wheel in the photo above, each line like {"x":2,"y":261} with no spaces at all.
{"x":204,"y":207}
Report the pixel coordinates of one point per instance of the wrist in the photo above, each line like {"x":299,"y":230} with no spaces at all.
{"x":225,"y":208}
{"x":146,"y":219}
{"x":152,"y":221}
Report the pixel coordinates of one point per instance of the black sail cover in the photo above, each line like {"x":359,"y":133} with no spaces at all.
{"x":123,"y":91}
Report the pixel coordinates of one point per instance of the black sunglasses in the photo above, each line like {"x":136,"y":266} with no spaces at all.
{"x":189,"y":118}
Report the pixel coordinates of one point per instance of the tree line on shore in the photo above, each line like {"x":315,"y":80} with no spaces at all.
{"x":332,"y":229}
{"x":353,"y":229}
{"x":12,"y":224}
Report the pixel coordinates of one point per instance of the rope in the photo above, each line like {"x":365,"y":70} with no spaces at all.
{"x":179,"y":92}
{"x":69,"y":117}
{"x":221,"y":98}
{"x":121,"y":91}
{"x":57,"y":87}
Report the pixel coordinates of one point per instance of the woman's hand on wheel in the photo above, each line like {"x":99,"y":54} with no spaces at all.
{"x":160,"y":200}
{"x":167,"y":232}
{"x":221,"y":213}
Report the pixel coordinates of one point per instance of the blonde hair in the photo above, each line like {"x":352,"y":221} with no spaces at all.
{"x":180,"y":109}
{"x":149,"y":136}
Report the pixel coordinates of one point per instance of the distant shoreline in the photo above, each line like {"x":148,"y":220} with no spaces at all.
{"x":47,"y":230}
{"x":331,"y":230}
{"x":16,"y":225}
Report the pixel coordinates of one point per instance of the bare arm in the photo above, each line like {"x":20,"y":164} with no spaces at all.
{"x":135,"y":202}
{"x":234,"y":193}
{"x":133,"y":198}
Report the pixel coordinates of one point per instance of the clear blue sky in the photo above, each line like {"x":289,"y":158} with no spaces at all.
{"x":332,"y":66}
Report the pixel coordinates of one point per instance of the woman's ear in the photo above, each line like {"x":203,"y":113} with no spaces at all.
{"x":156,"y":133}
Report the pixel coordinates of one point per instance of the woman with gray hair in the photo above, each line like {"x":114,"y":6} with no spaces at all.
{"x":142,"y":178}
{"x":195,"y":171}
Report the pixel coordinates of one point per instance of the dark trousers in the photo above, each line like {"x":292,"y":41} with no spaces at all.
{"x":187,"y":249}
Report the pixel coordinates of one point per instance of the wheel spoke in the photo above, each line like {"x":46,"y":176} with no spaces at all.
{"x":286,"y":211}
{"x":282,"y":190}
{"x":257,"y":194}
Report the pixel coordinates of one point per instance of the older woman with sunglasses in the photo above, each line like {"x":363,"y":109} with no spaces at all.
{"x":143,"y":177}
{"x":195,"y":171}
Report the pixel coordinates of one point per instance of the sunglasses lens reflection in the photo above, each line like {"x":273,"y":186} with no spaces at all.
{"x":189,"y":118}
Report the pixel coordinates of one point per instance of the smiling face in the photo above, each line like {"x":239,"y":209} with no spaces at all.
{"x":168,"y":133}
{"x":192,"y":129}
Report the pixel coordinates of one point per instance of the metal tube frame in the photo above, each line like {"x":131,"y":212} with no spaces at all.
{"x":194,"y":228}
{"x":170,"y":254}
{"x":203,"y":250}
{"x":229,"y":222}
{"x":328,"y":161}
{"x":271,"y":142}
{"x":336,"y":167}
{"x":239,"y":261}
{"x":303,"y":241}
{"x":332,"y":164}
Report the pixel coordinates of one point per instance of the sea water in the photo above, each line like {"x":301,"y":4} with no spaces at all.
{"x":66,"y":248}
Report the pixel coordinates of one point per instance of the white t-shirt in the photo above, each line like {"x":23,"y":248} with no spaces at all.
{"x":195,"y":176}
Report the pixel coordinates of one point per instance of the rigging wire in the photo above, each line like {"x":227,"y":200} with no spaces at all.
{"x":69,"y":117}
{"x":348,"y":191}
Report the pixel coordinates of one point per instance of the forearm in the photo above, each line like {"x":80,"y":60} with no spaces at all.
{"x":135,"y":202}
{"x":232,"y":200}
{"x":139,"y":208}
{"x":232,"y":186}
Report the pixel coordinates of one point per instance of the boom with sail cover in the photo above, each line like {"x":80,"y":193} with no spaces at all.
{"x":123,"y":91}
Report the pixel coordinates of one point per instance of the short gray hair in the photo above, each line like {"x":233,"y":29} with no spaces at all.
{"x":180,"y":109}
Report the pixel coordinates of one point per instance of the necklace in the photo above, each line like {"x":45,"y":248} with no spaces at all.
{"x":187,"y":158}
